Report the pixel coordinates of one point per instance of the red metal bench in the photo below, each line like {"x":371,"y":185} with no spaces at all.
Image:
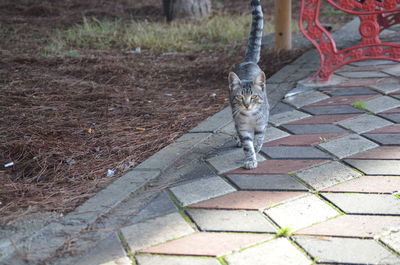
{"x":375,"y":16}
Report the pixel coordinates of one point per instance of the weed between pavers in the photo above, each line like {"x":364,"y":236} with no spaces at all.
{"x":323,"y":139}
{"x":284,"y":232}
{"x":359,"y":105}
{"x":222,"y":261}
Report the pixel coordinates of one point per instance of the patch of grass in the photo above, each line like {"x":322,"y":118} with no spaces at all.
{"x":71,"y":53}
{"x":324,"y":139}
{"x":284,"y":232}
{"x":155,"y":36}
{"x":222,"y":261}
{"x":359,"y":105}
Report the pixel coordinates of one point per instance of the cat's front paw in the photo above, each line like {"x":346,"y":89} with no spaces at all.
{"x":250,"y":164}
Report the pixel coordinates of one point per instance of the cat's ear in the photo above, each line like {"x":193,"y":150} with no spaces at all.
{"x":260,"y":80}
{"x":233,"y":80}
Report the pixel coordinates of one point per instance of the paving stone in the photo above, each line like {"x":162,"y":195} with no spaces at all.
{"x":119,"y":261}
{"x":395,"y":117}
{"x":365,"y":123}
{"x":360,"y":203}
{"x":391,"y":111}
{"x":373,"y":62}
{"x":208,"y":244}
{"x":286,"y":117}
{"x":273,"y":133}
{"x":171,"y":260}
{"x":313,"y":129}
{"x":366,"y":82}
{"x":393,"y":240}
{"x":348,"y":145}
{"x":348,"y":91}
{"x":200,"y":170}
{"x":301,"y":212}
{"x":299,"y":152}
{"x":106,"y":250}
{"x":395,"y":70}
{"x":230,"y":221}
{"x":155,"y":231}
{"x":347,"y":251}
{"x":278,"y":167}
{"x":387,"y":88}
{"x":322,"y":110}
{"x":382,"y":152}
{"x":342,"y":100}
{"x":266,"y":182}
{"x":367,"y":74}
{"x":113,"y":194}
{"x":305,"y":139}
{"x":324,"y":119}
{"x":247,"y":200}
{"x":230,"y":160}
{"x":276,"y":252}
{"x":305,"y":98}
{"x":161,"y":205}
{"x":381,"y":104}
{"x":364,"y":226}
{"x":201,"y":189}
{"x":280,"y":108}
{"x":388,"y":129}
{"x":369,"y":184}
{"x":376,"y":167}
{"x":214,"y":122}
{"x":385,"y":139}
{"x":326,"y":175}
{"x":167,"y":156}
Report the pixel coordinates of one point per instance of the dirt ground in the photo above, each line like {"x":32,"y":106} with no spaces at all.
{"x":66,"y":121}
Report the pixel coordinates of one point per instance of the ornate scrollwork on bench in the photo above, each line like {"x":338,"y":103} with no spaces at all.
{"x":374,"y":15}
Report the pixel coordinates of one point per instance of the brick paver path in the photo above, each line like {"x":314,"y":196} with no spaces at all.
{"x":325,"y":191}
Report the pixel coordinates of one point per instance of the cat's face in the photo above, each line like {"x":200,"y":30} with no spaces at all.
{"x":247,"y":95}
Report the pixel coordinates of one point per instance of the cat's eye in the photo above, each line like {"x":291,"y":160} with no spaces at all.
{"x":239,"y":97}
{"x":254,"y":97}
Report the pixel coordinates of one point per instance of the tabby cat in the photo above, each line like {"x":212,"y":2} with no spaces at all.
{"x":247,"y":93}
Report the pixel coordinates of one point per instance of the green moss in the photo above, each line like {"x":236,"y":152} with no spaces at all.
{"x":359,"y":105}
{"x":284,"y":232}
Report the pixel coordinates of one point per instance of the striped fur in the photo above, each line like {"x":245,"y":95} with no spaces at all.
{"x":257,"y":26}
{"x":248,"y":96}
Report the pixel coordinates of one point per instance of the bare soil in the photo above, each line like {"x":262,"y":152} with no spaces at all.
{"x":65,"y":121}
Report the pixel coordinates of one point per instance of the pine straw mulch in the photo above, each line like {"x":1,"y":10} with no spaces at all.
{"x":65,"y":122}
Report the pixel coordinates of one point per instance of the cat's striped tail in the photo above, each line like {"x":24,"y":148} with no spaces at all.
{"x":257,"y":26}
